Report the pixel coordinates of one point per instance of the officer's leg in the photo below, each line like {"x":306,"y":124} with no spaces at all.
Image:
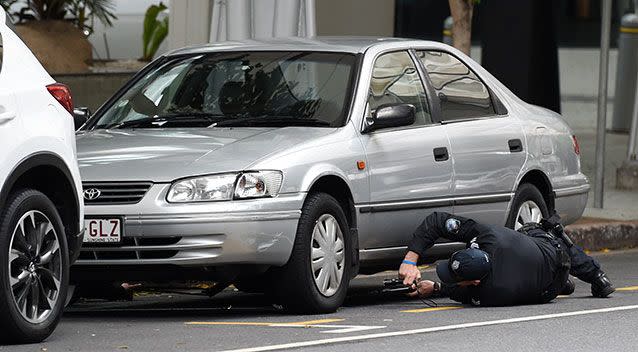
{"x":588,"y":269}
{"x":583,"y":266}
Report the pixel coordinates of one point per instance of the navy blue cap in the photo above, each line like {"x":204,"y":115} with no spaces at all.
{"x":464,"y":265}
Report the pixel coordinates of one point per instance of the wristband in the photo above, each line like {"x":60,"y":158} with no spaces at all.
{"x":405,"y":261}
{"x":437,"y":287}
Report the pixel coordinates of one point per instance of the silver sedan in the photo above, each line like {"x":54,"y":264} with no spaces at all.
{"x":292,"y":165}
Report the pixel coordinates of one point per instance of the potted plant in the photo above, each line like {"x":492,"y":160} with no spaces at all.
{"x":57,"y":30}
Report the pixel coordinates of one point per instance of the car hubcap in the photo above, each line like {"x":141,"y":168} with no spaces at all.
{"x":528,"y":212}
{"x":35,"y":266}
{"x":327,"y":255}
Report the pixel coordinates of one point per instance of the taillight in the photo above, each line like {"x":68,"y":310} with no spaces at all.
{"x":576,"y":145}
{"x":62,"y":94}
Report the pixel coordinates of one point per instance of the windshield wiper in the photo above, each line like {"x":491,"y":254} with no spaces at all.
{"x":162,"y":119}
{"x":271,"y":120}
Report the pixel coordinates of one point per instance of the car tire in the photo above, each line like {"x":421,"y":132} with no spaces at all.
{"x":38,"y":271}
{"x":299,"y":281}
{"x":528,"y":205}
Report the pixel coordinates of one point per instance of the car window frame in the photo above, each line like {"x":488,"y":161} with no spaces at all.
{"x":500,"y":111}
{"x":348,"y":105}
{"x":426,"y":88}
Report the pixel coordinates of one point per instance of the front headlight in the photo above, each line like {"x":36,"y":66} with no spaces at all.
{"x":203,"y":189}
{"x":225,"y":186}
{"x":258,"y":184}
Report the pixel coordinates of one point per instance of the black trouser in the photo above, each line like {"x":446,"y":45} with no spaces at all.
{"x":583,"y":266}
{"x":577,"y":262}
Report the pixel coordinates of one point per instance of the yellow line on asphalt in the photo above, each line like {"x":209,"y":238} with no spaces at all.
{"x":433,"y":309}
{"x":629,"y":288}
{"x":313,"y":322}
{"x":250,"y":323}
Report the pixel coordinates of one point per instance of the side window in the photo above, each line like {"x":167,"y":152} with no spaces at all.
{"x":461,"y":93}
{"x":395,"y":80}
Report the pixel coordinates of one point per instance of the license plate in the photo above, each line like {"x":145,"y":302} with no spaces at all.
{"x":103,"y":230}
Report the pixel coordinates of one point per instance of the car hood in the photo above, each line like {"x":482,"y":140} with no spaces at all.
{"x":165,"y":155}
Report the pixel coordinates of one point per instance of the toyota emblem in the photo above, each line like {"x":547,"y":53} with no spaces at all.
{"x":92,"y":193}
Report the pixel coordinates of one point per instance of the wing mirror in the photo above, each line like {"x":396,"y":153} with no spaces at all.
{"x":390,"y":115}
{"x":80,"y":116}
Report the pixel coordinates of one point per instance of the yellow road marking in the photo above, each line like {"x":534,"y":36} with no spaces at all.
{"x":629,"y":288}
{"x":249,"y":323}
{"x":313,"y":322}
{"x":433,"y":309}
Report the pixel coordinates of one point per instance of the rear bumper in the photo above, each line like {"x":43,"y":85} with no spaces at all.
{"x":571,"y":202}
{"x":258,"y":231}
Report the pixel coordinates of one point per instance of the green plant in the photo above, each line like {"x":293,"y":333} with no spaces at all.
{"x":155,"y":31}
{"x":81,"y":12}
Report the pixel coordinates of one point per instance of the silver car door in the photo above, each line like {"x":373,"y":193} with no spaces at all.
{"x":409,"y":167}
{"x":487,"y":144}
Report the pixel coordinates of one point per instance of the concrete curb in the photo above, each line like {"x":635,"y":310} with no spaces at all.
{"x":599,"y":234}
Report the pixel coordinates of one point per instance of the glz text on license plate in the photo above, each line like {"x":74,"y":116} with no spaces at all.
{"x":103,"y":230}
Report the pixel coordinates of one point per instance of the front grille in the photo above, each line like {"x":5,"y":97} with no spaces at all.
{"x":131,"y":248}
{"x":115,"y":192}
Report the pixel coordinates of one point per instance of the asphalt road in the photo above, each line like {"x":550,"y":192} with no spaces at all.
{"x":369,"y":321}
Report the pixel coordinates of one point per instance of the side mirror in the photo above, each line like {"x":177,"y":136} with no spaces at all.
{"x":80,"y":116}
{"x":390,"y":115}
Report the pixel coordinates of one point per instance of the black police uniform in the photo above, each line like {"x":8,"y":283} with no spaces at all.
{"x":524,"y":269}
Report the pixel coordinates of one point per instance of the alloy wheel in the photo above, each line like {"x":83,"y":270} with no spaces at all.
{"x":327,"y":255}
{"x":35,"y":266}
{"x":529,"y":211}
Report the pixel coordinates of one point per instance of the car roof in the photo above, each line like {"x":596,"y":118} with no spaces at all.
{"x":335,"y":44}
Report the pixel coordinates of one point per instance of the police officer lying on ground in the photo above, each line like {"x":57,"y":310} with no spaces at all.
{"x":501,"y":267}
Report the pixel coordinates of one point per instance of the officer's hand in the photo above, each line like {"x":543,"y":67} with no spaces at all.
{"x":423,"y":289}
{"x":409,"y":273}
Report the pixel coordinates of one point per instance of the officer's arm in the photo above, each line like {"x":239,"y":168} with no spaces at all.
{"x":457,"y":293}
{"x":424,"y":237}
{"x":433,"y":227}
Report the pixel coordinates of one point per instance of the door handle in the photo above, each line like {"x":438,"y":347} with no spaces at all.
{"x":7,"y":116}
{"x":516,"y":146}
{"x":441,"y":154}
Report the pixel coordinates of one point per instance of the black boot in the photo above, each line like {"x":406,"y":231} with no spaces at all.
{"x":601,"y":287}
{"x":568,"y":288}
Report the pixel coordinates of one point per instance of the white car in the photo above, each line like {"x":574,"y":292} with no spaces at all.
{"x":41,"y":209}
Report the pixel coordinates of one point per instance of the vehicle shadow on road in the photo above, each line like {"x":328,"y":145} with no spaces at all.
{"x":226,"y":304}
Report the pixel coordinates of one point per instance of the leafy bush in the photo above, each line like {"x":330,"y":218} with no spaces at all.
{"x":155,"y":31}
{"x":82,"y":13}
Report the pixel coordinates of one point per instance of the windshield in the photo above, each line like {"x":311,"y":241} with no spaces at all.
{"x":238,"y":89}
